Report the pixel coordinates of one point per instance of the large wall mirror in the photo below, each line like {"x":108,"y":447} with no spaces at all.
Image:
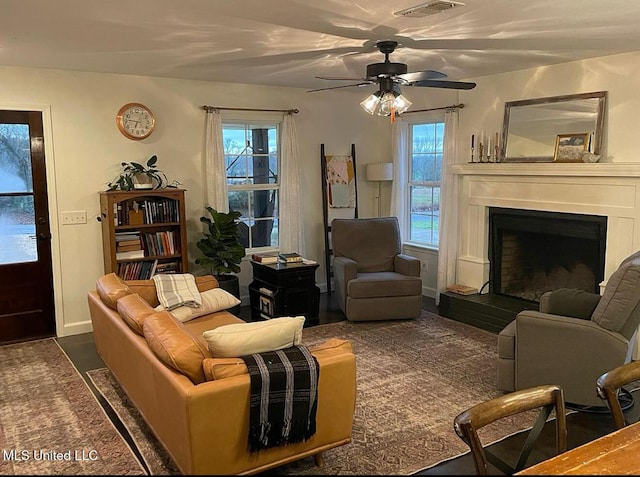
{"x":531,"y":126}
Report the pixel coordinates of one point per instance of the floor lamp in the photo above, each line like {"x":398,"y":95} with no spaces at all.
{"x":380,"y":171}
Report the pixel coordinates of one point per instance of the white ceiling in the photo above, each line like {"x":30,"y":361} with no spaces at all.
{"x":287,"y":43}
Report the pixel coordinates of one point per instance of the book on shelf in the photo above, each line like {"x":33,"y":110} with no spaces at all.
{"x":462,"y":289}
{"x":122,"y":247}
{"x":127,"y":236}
{"x":290,"y":257}
{"x":167,"y":267}
{"x":265,"y":257}
{"x":142,"y":270}
{"x":130,"y":254}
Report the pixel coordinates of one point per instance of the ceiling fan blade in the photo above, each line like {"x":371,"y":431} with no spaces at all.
{"x":337,"y":87}
{"x":421,"y":75}
{"x":443,"y":84}
{"x":338,"y":78}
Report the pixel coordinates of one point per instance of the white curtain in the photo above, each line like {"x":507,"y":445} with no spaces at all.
{"x":400,"y":138}
{"x":448,"y":243}
{"x":215,"y":168}
{"x":290,"y":229}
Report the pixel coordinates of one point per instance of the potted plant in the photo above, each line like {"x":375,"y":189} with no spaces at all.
{"x":222,"y":248}
{"x":137,"y":176}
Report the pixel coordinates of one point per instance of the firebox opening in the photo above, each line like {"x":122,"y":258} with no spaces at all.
{"x":532,"y":252}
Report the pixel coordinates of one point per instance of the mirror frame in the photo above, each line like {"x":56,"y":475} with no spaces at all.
{"x":599,"y":129}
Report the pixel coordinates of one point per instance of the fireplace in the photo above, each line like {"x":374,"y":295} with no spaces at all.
{"x":531,"y":252}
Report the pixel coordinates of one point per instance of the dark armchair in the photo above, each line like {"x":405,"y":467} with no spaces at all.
{"x":373,"y":279}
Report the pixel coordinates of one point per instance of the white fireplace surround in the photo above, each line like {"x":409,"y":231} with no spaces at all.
{"x":607,"y":189}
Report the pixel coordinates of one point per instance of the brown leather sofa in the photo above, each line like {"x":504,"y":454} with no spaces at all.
{"x":197,"y":405}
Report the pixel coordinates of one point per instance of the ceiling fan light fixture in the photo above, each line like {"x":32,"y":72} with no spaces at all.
{"x":386,"y":104}
{"x":401,"y":104}
{"x":371,"y":103}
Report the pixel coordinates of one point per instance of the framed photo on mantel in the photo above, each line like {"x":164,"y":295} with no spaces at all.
{"x":569,"y":147}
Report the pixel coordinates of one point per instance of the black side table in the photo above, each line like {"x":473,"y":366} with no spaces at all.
{"x":281,"y":289}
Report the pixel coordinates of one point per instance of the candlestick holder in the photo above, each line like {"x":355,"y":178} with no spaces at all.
{"x":497,"y":153}
{"x":480,"y":153}
{"x":472,"y":161}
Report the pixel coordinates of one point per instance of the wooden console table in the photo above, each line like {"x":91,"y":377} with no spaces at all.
{"x":617,"y":453}
{"x":284,"y":290}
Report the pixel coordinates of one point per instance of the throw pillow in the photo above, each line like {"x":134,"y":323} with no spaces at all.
{"x":110,"y":289}
{"x":134,"y":310}
{"x":620,"y":297}
{"x":241,"y":339}
{"x":176,"y":290}
{"x":213,"y":300}
{"x":171,"y":342}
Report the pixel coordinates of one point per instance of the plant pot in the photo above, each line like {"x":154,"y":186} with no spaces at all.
{"x":142,"y":181}
{"x":231,"y":284}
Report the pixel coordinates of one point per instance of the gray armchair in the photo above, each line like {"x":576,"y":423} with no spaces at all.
{"x":574,"y":338}
{"x":373,"y":279}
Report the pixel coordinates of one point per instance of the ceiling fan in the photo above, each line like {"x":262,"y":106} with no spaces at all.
{"x":388,"y":100}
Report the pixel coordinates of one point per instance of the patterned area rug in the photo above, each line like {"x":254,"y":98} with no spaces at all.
{"x":50,"y":422}
{"x":413,"y":378}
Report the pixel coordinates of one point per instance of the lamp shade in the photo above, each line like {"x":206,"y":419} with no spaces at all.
{"x":380,"y":171}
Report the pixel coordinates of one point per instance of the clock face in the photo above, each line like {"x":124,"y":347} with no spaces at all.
{"x":135,"y":121}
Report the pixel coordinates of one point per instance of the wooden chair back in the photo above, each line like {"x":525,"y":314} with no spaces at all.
{"x":545,"y":398}
{"x":609,"y":386}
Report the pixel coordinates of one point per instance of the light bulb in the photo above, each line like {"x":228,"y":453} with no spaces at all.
{"x":370,"y":103}
{"x":401,"y":104}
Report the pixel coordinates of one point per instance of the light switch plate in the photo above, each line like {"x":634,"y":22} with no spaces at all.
{"x":74,"y":217}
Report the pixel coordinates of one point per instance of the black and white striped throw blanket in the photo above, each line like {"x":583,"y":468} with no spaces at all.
{"x":284,"y":397}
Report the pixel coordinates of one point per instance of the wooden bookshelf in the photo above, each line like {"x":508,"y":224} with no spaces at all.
{"x":157,"y":218}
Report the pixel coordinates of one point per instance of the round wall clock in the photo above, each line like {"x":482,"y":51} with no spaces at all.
{"x":135,"y":121}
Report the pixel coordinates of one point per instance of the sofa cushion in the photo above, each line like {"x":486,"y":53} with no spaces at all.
{"x":147,"y":288}
{"x":620,"y":298}
{"x":221,"y":368}
{"x":174,"y":345}
{"x":176,"y":290}
{"x":111,"y":288}
{"x":134,"y":310}
{"x":383,"y":284}
{"x":231,"y":341}
{"x":213,"y":300}
{"x":571,"y":302}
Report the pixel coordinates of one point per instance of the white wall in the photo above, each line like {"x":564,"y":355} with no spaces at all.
{"x":84,"y":151}
{"x":85,"y":148}
{"x":617,"y":74}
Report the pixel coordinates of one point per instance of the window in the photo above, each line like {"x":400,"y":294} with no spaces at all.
{"x":426,"y":145}
{"x":251,"y":157}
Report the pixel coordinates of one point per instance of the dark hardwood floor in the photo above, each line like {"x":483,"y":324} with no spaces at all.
{"x":582,"y":426}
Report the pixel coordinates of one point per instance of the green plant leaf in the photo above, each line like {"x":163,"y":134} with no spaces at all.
{"x":220,"y":245}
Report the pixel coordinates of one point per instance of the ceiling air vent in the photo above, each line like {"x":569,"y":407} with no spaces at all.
{"x":429,"y":8}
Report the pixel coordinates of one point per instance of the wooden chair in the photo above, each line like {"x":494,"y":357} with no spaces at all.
{"x":609,"y":387}
{"x":546,"y":398}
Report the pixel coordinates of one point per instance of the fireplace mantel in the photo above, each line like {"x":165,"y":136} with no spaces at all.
{"x":619,"y":169}
{"x":611,"y":190}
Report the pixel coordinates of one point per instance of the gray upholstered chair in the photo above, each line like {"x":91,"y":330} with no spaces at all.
{"x":575,"y":337}
{"x":373,"y":279}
